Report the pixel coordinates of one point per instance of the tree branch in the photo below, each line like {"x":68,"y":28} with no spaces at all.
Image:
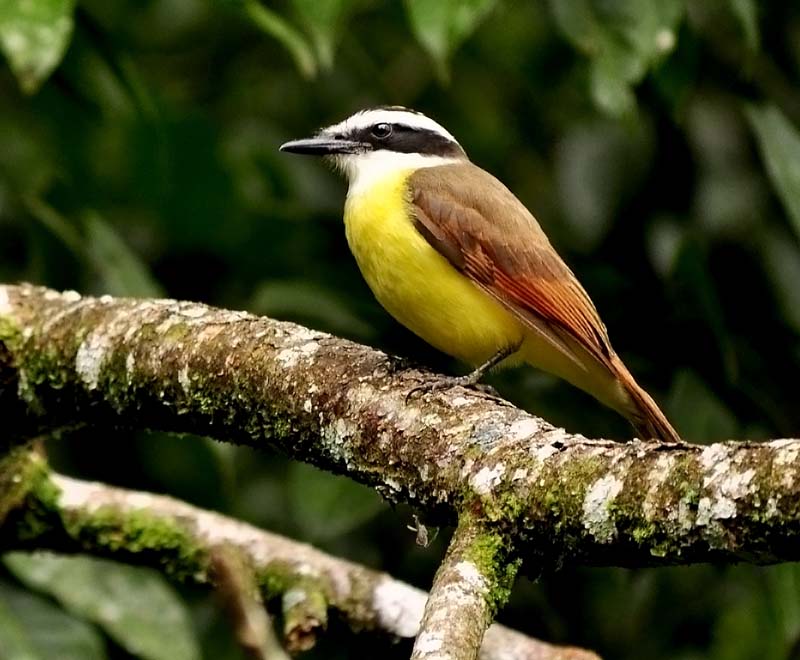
{"x":472,"y":583}
{"x":67,"y":360}
{"x":69,"y":515}
{"x":305,"y":612}
{"x":239,"y":594}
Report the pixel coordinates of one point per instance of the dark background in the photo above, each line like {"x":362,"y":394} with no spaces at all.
{"x":658,"y":144}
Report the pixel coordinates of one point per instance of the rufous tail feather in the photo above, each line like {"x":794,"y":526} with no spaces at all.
{"x":645,"y":415}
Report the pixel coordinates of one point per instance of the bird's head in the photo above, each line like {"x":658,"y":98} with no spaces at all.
{"x":379,"y":140}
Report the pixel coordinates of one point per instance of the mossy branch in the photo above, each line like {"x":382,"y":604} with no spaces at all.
{"x":472,"y":583}
{"x":70,"y":515}
{"x":67,"y":360}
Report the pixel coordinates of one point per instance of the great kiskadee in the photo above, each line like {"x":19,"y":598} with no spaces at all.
{"x":454,"y":256}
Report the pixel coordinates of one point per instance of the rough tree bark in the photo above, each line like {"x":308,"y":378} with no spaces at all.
{"x":60,"y":513}
{"x":460,"y":608}
{"x":67,"y":360}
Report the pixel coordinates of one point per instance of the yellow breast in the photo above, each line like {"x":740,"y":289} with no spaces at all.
{"x":416,"y":284}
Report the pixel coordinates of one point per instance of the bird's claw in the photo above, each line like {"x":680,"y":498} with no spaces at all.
{"x":449,"y":382}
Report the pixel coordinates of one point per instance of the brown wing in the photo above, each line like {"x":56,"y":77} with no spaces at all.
{"x":474,"y":221}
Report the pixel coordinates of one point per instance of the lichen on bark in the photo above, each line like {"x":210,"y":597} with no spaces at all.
{"x":185,"y":367}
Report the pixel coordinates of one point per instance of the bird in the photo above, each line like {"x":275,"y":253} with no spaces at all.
{"x":452,"y":254}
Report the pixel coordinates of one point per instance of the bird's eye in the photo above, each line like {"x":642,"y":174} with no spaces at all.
{"x":382,"y":131}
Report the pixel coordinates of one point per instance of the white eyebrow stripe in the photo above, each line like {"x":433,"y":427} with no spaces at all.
{"x":367,"y":118}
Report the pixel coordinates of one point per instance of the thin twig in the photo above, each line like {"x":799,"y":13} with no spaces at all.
{"x":238,"y":591}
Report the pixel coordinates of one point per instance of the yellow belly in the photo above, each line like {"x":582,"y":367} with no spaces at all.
{"x":416,"y":284}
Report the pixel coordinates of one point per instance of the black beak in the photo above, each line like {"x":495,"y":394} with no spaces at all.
{"x":325,"y":146}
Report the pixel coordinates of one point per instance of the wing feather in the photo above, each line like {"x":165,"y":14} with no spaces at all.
{"x":484,"y":231}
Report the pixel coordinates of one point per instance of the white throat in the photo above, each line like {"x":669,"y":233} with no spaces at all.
{"x":365,"y":170}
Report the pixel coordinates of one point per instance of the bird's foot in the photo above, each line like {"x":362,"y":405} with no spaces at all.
{"x":443,"y":383}
{"x":470,"y":380}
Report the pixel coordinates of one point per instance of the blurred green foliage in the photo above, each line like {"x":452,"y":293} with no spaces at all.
{"x":657,"y":141}
{"x":112,"y":596}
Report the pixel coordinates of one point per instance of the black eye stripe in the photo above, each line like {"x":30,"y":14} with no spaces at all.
{"x":405,"y":138}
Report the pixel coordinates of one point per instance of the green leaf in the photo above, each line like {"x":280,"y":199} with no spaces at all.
{"x":597,"y":165}
{"x":311,"y":304}
{"x":611,"y":77}
{"x":746,"y":12}
{"x":443,"y":25}
{"x":326,"y":506}
{"x":781,"y":259}
{"x":323,"y":18}
{"x":122,"y":271}
{"x":781,"y":584}
{"x":664,"y":239}
{"x":272,"y":24}
{"x":28,"y":160}
{"x":134,"y":606}
{"x":697,"y":413}
{"x":779,"y":142}
{"x":760,"y":619}
{"x":698,"y":293}
{"x":34,"y":628}
{"x":34,"y":35}
{"x":623,"y":40}
{"x":14,"y":639}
